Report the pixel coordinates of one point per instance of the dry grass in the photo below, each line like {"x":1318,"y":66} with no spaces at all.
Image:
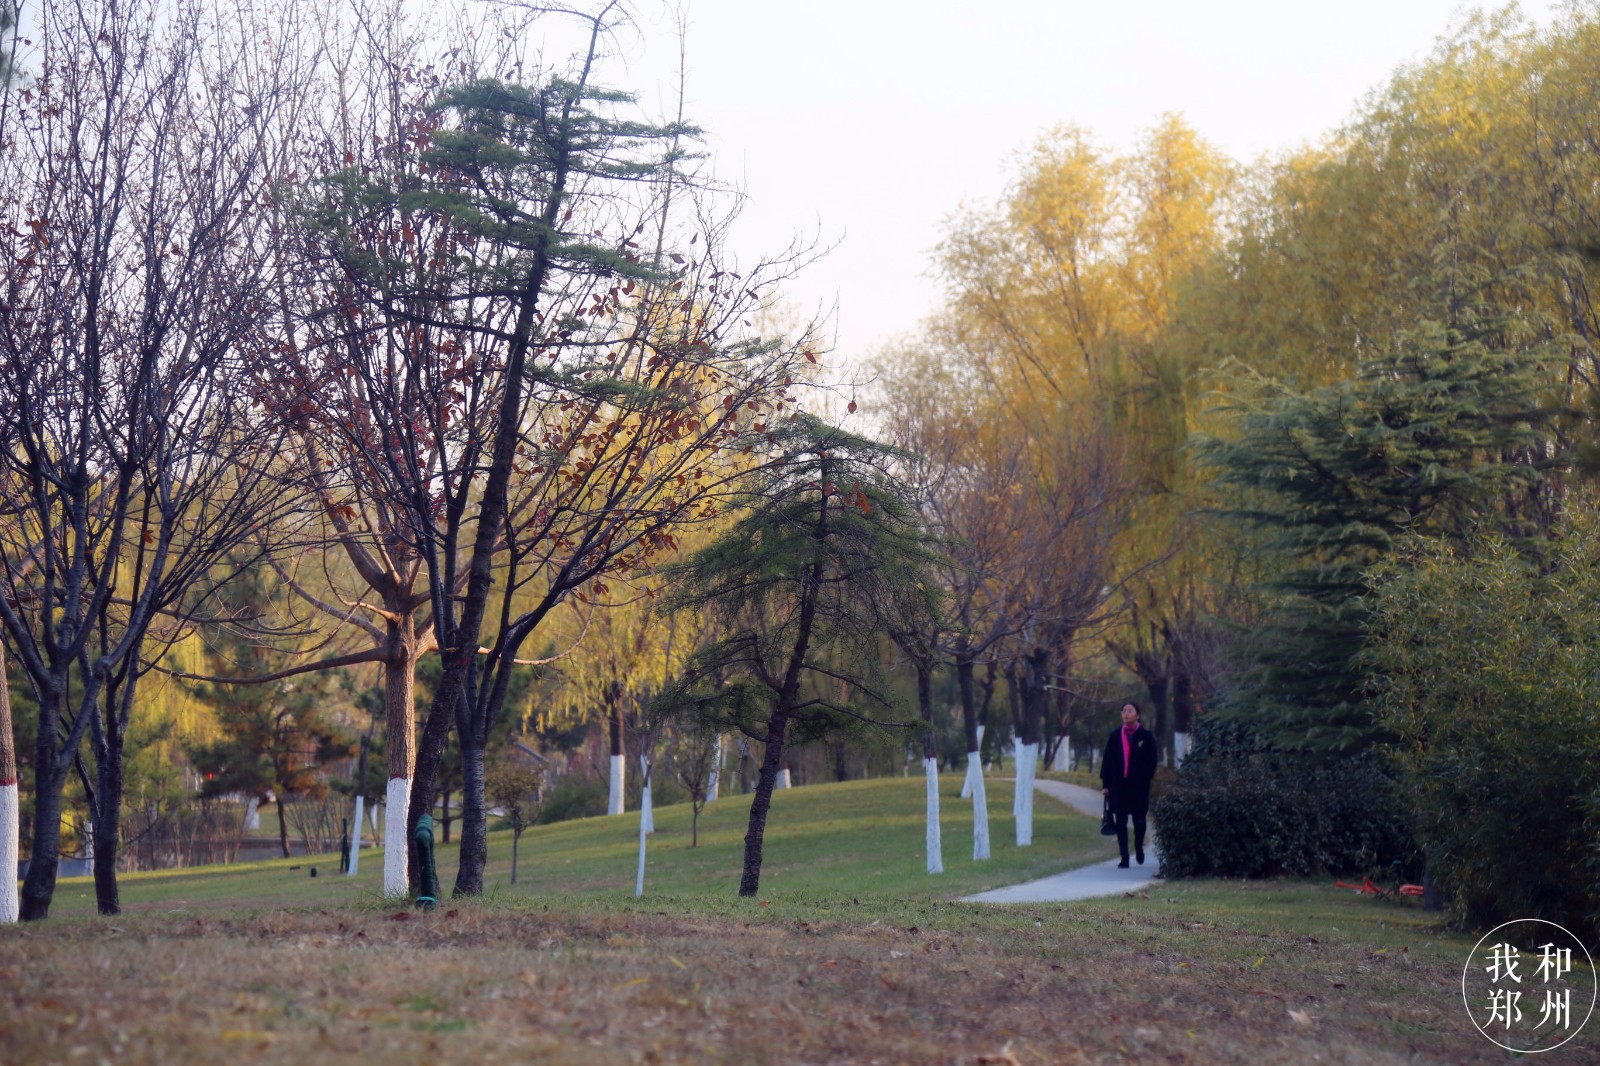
{"x":1201,"y":974}
{"x":852,"y":955}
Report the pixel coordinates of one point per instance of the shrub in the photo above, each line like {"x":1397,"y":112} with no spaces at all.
{"x":1235,"y":811}
{"x":1489,"y":665}
{"x":574,"y":796}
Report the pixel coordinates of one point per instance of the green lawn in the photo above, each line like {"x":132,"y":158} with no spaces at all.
{"x":857,"y":840}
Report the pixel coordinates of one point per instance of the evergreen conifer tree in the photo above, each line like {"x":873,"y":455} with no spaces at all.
{"x":1447,"y":433}
{"x":826,"y":543}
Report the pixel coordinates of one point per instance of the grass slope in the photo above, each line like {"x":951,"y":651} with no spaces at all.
{"x":859,"y":839}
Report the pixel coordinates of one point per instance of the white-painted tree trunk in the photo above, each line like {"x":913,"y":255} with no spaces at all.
{"x":10,"y":828}
{"x":355,"y":837}
{"x":783,"y":778}
{"x":619,"y":772}
{"x":88,"y":850}
{"x":1180,"y":748}
{"x":930,"y":768}
{"x":1027,"y":771}
{"x":646,"y":810}
{"x":252,"y":815}
{"x":716,"y":771}
{"x":10,"y":806}
{"x":395,"y":852}
{"x":1016,"y":773}
{"x":980,"y":807}
{"x":372,"y":820}
{"x":966,"y":785}
{"x":646,"y":825}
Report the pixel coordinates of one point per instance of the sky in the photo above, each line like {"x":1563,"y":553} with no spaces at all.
{"x":867,"y":123}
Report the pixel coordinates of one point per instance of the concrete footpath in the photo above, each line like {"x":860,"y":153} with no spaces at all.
{"x":1086,"y":882}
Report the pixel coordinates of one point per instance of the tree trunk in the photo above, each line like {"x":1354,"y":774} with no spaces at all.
{"x":930,"y":766}
{"x":1014,"y":705}
{"x":715,"y":777}
{"x":400,"y":819}
{"x":980,"y":808}
{"x":107,"y":827}
{"x":474,"y":822}
{"x":1034,"y":698}
{"x":1182,"y":714}
{"x":975,"y":738}
{"x":646,"y":810}
{"x":646,"y":825}
{"x":400,"y":733}
{"x":974,"y":784}
{"x":841,"y":769}
{"x":10,"y":805}
{"x":616,"y":801}
{"x":356,"y":831}
{"x":516,"y":838}
{"x":1057,"y":752}
{"x":49,"y":775}
{"x":766,"y":781}
{"x":283,"y":824}
{"x":1159,"y":689}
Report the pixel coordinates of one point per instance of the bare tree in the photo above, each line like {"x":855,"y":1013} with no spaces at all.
{"x":693,"y":751}
{"x":139,"y":458}
{"x":518,"y":790}
{"x":1077,"y":497}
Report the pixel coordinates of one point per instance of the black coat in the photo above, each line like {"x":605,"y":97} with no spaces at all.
{"x":1130,"y":794}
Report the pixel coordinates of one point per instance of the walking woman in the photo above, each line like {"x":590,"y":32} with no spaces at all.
{"x":1125,"y":772}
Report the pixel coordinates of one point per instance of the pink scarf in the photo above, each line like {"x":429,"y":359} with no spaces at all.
{"x":1127,"y":752}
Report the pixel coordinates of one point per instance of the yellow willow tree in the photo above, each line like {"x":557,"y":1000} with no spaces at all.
{"x":1062,"y":299}
{"x":627,"y":655}
{"x":1478,"y":159}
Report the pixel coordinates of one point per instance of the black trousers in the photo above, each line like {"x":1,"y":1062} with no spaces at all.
{"x":1122,"y":832}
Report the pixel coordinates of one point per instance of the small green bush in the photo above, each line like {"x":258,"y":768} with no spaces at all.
{"x":574,"y":796}
{"x":1233,"y":811}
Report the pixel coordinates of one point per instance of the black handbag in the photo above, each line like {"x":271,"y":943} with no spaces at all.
{"x":1108,"y":824}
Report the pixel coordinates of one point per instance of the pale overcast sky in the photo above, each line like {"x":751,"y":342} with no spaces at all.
{"x":870,"y":121}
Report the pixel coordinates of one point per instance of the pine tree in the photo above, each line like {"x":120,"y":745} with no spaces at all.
{"x":1445,"y":434}
{"x":799,"y":586}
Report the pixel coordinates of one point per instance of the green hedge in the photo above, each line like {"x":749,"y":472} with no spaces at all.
{"x":1234,"y":811}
